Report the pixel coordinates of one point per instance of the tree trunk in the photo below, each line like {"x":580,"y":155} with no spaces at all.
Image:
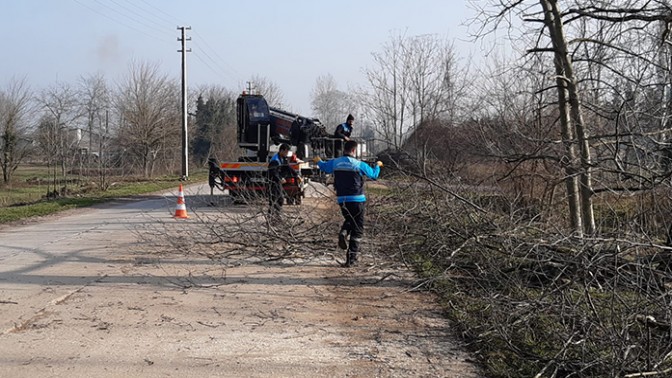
{"x":7,"y":157}
{"x":578,"y":123}
{"x":575,"y":128}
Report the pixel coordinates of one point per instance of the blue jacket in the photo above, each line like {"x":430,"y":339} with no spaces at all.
{"x":343,"y":130}
{"x":274,"y":167}
{"x":348,"y":179}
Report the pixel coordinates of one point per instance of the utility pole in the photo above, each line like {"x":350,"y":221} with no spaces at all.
{"x":185,"y":140}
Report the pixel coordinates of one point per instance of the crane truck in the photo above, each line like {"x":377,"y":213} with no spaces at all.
{"x":261,"y":130}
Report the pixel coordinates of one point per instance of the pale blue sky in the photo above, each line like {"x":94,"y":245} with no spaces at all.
{"x":290,"y":42}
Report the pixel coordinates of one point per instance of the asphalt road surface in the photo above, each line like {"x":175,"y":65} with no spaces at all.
{"x":80,"y":298}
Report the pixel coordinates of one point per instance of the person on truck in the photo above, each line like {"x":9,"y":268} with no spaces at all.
{"x":349,"y":184}
{"x":276,"y":171}
{"x":343,"y":132}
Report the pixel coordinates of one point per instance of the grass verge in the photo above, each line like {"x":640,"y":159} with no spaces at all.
{"x":123,"y":189}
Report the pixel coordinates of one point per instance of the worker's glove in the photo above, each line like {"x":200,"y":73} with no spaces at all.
{"x":317,"y":159}
{"x":379,"y":163}
{"x":283,"y":181}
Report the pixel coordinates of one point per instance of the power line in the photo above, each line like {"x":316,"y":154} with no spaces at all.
{"x":226,"y":69}
{"x":120,"y":21}
{"x":220,"y":70}
{"x":153,"y":18}
{"x":131,"y":18}
{"x":174,"y":19}
{"x":214,"y":70}
{"x":161,"y":27}
{"x":215,"y":53}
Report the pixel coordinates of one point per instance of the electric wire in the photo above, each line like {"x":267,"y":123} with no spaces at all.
{"x":131,"y":18}
{"x":98,"y":12}
{"x":160,"y":26}
{"x":223,"y":70}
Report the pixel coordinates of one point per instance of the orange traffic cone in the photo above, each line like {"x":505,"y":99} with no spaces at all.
{"x":181,"y":209}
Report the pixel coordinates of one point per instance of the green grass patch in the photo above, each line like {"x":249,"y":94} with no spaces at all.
{"x":26,"y":196}
{"x":16,"y":213}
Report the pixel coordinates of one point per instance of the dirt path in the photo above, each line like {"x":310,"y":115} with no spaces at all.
{"x":91,"y":304}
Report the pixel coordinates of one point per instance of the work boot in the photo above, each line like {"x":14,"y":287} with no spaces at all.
{"x":351,"y":259}
{"x":342,"y":239}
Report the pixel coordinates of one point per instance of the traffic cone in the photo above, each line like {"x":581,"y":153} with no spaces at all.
{"x":181,"y":209}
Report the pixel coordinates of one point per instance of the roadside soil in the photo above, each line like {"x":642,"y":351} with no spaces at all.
{"x":98,"y":304}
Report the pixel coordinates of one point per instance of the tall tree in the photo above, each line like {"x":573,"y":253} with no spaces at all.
{"x":215,"y":125}
{"x":270,"y":90}
{"x":61,"y":105}
{"x":588,"y":43}
{"x":597,"y":47}
{"x":15,"y":106}
{"x":49,"y":136}
{"x":95,"y":100}
{"x":330,"y":105}
{"x":571,"y":118}
{"x":148,"y":103}
{"x":414,"y":80}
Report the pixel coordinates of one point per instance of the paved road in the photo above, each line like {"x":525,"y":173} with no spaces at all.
{"x":78,"y":298}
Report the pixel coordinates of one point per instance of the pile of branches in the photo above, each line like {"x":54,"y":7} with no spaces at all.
{"x":228,"y":233}
{"x":531,"y":300}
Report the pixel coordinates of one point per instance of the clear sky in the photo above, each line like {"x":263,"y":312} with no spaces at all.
{"x":289,"y":42}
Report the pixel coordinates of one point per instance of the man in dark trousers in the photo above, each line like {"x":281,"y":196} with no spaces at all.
{"x":349,"y":183}
{"x":276,"y":167}
{"x":343,"y":132}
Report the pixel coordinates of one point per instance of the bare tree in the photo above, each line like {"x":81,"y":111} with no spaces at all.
{"x":271,"y":92}
{"x":551,"y":38}
{"x":415,"y":79}
{"x":612,"y":65}
{"x":15,"y":106}
{"x":95,"y":99}
{"x":96,"y":102}
{"x":48,"y":135}
{"x":330,"y":104}
{"x":61,"y":106}
{"x":148,"y":103}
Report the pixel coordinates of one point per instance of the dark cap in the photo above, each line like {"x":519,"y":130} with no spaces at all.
{"x":350,"y":118}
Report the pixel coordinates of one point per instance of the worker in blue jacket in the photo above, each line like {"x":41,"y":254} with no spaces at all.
{"x":276,"y":168}
{"x":344,"y":130}
{"x":342,"y":135}
{"x":349,"y":175}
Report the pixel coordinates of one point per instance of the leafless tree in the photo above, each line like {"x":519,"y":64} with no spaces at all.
{"x":594,"y":48}
{"x":95,"y":98}
{"x":96,"y":102}
{"x":330,"y":105}
{"x":148,"y":103}
{"x":414,"y":79}
{"x":48,"y":137}
{"x":270,"y":90}
{"x":589,"y":102}
{"x":15,"y":106}
{"x":61,"y":105}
